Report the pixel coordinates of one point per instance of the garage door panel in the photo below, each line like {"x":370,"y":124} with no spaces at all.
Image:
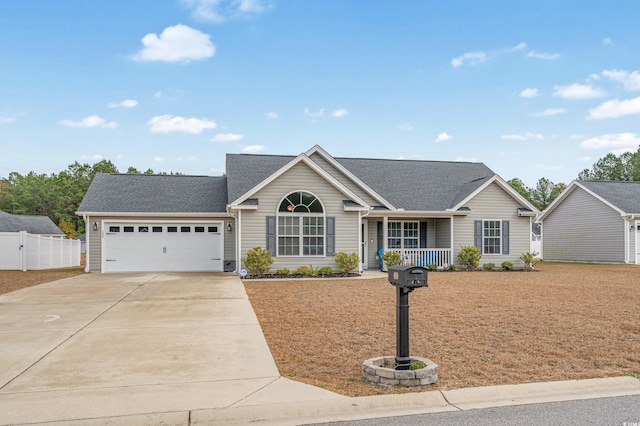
{"x":182,"y":250}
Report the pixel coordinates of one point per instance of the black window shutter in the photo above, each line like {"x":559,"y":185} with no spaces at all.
{"x":271,"y":234}
{"x":380,"y":236}
{"x":331,"y":236}
{"x":477,"y":234}
{"x":423,"y":234}
{"x":505,"y":237}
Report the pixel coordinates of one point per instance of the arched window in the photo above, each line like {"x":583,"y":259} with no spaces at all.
{"x":301,"y":225}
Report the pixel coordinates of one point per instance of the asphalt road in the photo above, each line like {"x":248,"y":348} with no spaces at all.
{"x":617,"y":411}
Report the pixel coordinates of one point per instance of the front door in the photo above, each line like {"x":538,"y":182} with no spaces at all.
{"x":637,"y":243}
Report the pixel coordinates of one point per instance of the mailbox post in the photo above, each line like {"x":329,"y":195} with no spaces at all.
{"x":406,"y":279}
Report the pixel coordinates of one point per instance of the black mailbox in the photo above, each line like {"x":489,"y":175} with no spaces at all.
{"x":408,"y":276}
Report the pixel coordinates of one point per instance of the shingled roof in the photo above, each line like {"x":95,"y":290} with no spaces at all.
{"x":623,"y":195}
{"x":406,"y":184}
{"x":41,"y":225}
{"x":116,"y":192}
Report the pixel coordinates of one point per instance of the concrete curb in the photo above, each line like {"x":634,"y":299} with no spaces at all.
{"x":368,"y":407}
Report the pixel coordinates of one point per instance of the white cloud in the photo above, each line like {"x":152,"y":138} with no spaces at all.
{"x":5,"y":119}
{"x":577,"y":137}
{"x":90,"y":121}
{"x":127,"y":103}
{"x":607,"y":41}
{"x":158,"y":94}
{"x":529,"y":93}
{"x":467,"y":159}
{"x":620,"y":142}
{"x":543,"y":56}
{"x":94,"y":157}
{"x":158,"y":159}
{"x":178,"y":43}
{"x":339,"y":113}
{"x":630,"y":80}
{"x":167,"y":124}
{"x":549,"y":112}
{"x":227,"y":137}
{"x":472,"y":58}
{"x":271,"y":115}
{"x":615,"y":108}
{"x":315,"y":114}
{"x":520,"y":46}
{"x":523,"y":136}
{"x":219,"y":11}
{"x":578,"y":91}
{"x":252,"y":149}
{"x":443,"y":137}
{"x":406,"y":127}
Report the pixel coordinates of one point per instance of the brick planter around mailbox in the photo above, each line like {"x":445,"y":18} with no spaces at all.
{"x":375,"y":372}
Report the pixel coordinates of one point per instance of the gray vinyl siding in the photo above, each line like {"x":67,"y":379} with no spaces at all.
{"x":300,"y":178}
{"x":94,"y":247}
{"x":583,"y":228}
{"x":443,"y":233}
{"x":493,"y":203}
{"x":347,"y":182}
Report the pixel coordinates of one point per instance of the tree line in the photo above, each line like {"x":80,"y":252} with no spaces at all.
{"x":58,"y":195}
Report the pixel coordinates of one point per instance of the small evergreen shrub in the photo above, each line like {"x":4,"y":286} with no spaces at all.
{"x":469,"y":257}
{"x":283,"y":271}
{"x":489,"y":266}
{"x":529,"y":260}
{"x":432,"y":267}
{"x":451,"y":267}
{"x":507,"y":266}
{"x":305,"y":270}
{"x":258,"y":260}
{"x":391,"y":258}
{"x":325,"y":270}
{"x":347,"y":262}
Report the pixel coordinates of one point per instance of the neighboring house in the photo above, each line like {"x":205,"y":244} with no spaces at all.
{"x":593,"y":221}
{"x":304,"y":209}
{"x":36,"y":225}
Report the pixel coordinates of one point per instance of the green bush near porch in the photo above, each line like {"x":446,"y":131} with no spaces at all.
{"x":469,"y":257}
{"x":347,"y":262}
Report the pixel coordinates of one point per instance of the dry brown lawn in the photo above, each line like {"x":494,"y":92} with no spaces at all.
{"x":15,"y":280}
{"x":567,"y":321}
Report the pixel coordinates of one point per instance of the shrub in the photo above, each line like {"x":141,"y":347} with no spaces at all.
{"x":392,"y":258}
{"x":432,"y":267}
{"x":305,"y":270}
{"x":507,"y":266}
{"x":451,"y":267}
{"x":489,"y":266}
{"x":469,"y":257}
{"x":258,"y":260}
{"x":347,"y":262}
{"x":529,"y":260}
{"x":283,"y":271}
{"x":325,"y":270}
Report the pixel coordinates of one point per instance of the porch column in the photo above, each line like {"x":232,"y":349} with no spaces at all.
{"x":361,"y":248}
{"x":451,"y":240}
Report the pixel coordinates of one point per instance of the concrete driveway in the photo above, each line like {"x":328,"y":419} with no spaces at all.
{"x":107,"y":345}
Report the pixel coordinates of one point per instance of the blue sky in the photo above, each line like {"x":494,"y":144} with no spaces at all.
{"x":531,"y":89}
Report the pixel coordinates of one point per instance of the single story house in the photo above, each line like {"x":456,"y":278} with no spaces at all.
{"x":303,"y":209}
{"x":593,"y":221}
{"x":36,"y":225}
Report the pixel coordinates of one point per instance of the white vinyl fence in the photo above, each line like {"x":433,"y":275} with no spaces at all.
{"x":22,"y":251}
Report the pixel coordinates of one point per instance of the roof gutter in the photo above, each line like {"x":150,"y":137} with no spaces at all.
{"x":151,"y":214}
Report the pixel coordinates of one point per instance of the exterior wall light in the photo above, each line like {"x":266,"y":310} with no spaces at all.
{"x":229,"y":227}
{"x":95,"y":226}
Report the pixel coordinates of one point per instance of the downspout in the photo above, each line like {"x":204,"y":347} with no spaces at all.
{"x":87,"y":238}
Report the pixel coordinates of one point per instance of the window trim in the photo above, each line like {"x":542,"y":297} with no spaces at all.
{"x":498,"y":237}
{"x":402,"y":235}
{"x":301,"y":226}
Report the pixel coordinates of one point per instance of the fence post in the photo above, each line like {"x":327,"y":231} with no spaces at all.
{"x":23,"y":250}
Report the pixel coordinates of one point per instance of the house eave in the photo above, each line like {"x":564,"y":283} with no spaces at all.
{"x":417,"y":213}
{"x":152,"y":214}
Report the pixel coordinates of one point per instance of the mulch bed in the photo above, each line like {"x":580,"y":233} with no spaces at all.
{"x":15,"y":280}
{"x":569,"y":321}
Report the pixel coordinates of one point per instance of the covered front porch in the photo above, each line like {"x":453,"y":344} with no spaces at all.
{"x":422,"y":241}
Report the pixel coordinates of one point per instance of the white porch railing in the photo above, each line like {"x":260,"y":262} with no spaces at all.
{"x":425,"y":256}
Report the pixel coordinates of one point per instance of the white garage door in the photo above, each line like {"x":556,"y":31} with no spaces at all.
{"x":146,"y":247}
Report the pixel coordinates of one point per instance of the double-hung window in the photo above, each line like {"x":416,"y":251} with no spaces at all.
{"x":403,"y":235}
{"x":491,"y":237}
{"x":301,"y":225}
